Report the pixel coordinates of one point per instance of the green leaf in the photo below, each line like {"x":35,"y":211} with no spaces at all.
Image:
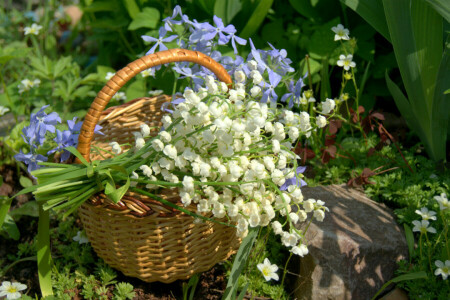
{"x":409,"y":240}
{"x":25,"y":181}
{"x":371,"y":11}
{"x":11,"y":228}
{"x":44,"y":254}
{"x":132,"y":8}
{"x":5,"y":204}
{"x":136,"y":89}
{"x":403,"y":105}
{"x":322,"y":43}
{"x":440,"y":116}
{"x":29,"y":208}
{"x":240,"y":261}
{"x":258,"y":16}
{"x":113,"y":193}
{"x":305,"y":8}
{"x":442,"y":7}
{"x":410,"y":276}
{"x":325,"y":87}
{"x":148,"y":18}
{"x":416,"y":34}
{"x":227,"y":9}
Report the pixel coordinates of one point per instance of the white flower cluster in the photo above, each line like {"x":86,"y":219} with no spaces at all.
{"x":231,"y":157}
{"x":27,"y":84}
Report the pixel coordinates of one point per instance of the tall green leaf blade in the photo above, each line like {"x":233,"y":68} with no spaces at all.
{"x":442,"y":7}
{"x":441,"y":106}
{"x":409,"y":240}
{"x":416,"y":34}
{"x":5,"y":204}
{"x":44,"y":258}
{"x":404,"y":106}
{"x":371,"y":11}
{"x":240,"y":261}
{"x":409,"y":276}
{"x":256,"y":18}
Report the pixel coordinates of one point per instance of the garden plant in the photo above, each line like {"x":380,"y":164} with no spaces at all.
{"x":250,"y":101}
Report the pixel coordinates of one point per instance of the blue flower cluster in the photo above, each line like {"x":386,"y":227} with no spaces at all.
{"x":35,"y":135}
{"x":273,"y":64}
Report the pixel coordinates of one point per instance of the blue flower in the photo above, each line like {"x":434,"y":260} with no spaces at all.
{"x":187,"y":72}
{"x":295,"y":92}
{"x":40,"y":123}
{"x":294,"y":180}
{"x":159,"y":41}
{"x":207,"y":32}
{"x":235,"y":39}
{"x":269,"y":93}
{"x":233,"y":65}
{"x":170,"y":20}
{"x":63,"y":139}
{"x":30,"y":159}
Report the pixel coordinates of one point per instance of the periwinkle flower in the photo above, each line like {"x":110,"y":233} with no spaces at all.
{"x":295,"y":92}
{"x":269,"y":93}
{"x":159,"y":41}
{"x":294,"y":180}
{"x":30,"y":159}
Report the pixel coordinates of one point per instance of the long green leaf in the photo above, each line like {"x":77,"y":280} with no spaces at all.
{"x":409,"y":240}
{"x":371,"y":11}
{"x":403,"y":106}
{"x":442,"y":7}
{"x":182,"y":209}
{"x":258,"y":16}
{"x":441,"y":106}
{"x":416,"y":34}
{"x":5,"y":204}
{"x":410,"y":276}
{"x":240,"y":261}
{"x":44,"y":258}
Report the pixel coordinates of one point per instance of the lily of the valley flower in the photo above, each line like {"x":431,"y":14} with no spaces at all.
{"x":268,"y":270}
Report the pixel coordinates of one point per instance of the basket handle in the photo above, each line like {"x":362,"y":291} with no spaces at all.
{"x":132,"y":69}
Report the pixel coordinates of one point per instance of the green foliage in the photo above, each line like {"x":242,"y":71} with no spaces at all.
{"x":123,"y":291}
{"x":416,"y":31}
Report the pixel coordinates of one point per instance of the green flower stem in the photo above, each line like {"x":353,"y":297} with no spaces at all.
{"x":285,"y":268}
{"x":420,"y":246}
{"x":429,"y":252}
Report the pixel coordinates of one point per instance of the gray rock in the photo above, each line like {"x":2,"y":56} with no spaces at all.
{"x":354,"y":251}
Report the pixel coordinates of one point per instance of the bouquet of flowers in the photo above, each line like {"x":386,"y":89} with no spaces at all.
{"x":226,"y":149}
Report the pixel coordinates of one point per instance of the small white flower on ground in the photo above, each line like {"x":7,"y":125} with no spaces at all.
{"x":268,"y":270}
{"x":120,"y":96}
{"x":255,"y":91}
{"x":81,"y":238}
{"x":308,"y":205}
{"x":328,"y":106}
{"x":300,"y":251}
{"x":3,"y":110}
{"x":116,"y":149}
{"x":148,"y":72}
{"x":33,"y":29}
{"x":341,"y":33}
{"x":109,"y":75}
{"x":319,"y":215}
{"x":422,"y":226}
{"x":426,"y":214}
{"x":277,"y":227}
{"x":443,"y":269}
{"x":321,"y":121}
{"x":11,"y":290}
{"x":346,"y":62}
{"x":239,"y":76}
{"x":444,"y":204}
{"x":140,"y":142}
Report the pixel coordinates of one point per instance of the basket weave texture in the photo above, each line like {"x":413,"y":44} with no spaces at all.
{"x":139,"y":236}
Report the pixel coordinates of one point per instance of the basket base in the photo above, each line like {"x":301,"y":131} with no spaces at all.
{"x":155,"y":248}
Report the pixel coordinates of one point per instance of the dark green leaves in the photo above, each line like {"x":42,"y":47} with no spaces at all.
{"x":256,"y":18}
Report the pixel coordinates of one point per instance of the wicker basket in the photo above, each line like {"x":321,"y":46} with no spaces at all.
{"x":139,"y":236}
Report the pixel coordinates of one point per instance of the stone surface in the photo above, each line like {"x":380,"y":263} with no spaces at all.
{"x":353,"y":251}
